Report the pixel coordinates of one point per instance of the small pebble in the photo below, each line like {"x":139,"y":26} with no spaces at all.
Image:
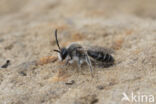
{"x":70,"y":82}
{"x":7,"y":63}
{"x":94,"y":101}
{"x":23,"y":73}
{"x":100,"y":87}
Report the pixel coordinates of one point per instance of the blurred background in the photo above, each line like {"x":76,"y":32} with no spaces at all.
{"x":67,"y":8}
{"x":52,"y":10}
{"x":33,"y":20}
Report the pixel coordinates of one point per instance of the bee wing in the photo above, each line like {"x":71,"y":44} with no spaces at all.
{"x":101,"y":49}
{"x":82,"y":50}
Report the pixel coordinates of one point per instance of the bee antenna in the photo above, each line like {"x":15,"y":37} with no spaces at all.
{"x":57,"y":51}
{"x":57,"y":40}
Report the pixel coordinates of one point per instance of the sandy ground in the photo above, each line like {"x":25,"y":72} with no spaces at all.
{"x":27,"y":38}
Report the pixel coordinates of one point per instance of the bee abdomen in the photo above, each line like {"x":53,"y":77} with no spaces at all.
{"x":101,"y":56}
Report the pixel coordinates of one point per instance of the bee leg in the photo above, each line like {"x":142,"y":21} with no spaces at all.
{"x":90,"y":65}
{"x":79,"y":66}
{"x":68,"y":61}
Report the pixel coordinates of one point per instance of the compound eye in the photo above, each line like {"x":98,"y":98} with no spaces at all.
{"x":64,"y":53}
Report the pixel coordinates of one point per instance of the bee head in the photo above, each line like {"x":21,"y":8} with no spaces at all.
{"x":62,"y":52}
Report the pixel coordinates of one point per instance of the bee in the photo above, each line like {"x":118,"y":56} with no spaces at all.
{"x":76,"y":53}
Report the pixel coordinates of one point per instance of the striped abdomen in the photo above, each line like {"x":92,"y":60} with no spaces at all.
{"x":101,"y":56}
